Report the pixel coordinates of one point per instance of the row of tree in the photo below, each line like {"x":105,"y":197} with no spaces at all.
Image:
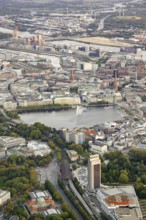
{"x":74,"y":201}
{"x":67,"y":212}
{"x":78,"y":186}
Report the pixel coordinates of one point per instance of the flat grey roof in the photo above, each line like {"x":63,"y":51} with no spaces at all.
{"x":39,"y":194}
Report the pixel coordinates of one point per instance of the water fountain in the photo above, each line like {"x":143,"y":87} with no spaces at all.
{"x":79,"y":110}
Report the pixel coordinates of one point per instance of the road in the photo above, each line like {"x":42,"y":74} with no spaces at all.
{"x":12,"y":121}
{"x":76,"y":193}
{"x":51,"y":173}
{"x":4,"y":114}
{"x":66,"y":176}
{"x":96,"y":207}
{"x":65,"y":168}
{"x":101,"y":23}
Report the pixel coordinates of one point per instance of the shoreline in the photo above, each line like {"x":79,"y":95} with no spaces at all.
{"x":61,"y":108}
{"x":46,"y":109}
{"x":89,"y":117}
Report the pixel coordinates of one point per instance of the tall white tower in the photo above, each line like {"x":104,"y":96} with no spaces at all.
{"x":94,"y":171}
{"x":123,"y":12}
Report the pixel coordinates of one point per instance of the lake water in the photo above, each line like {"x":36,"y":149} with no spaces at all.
{"x":70,"y":119}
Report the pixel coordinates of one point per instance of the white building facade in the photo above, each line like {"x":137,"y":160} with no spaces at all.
{"x":4,"y":196}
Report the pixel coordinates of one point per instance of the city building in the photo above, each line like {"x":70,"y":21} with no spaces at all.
{"x":10,"y":142}
{"x":4,"y":196}
{"x":73,"y":135}
{"x":38,"y":148}
{"x":98,"y":147}
{"x":120,"y":203}
{"x":10,"y":105}
{"x":40,"y":201}
{"x":67,"y":100}
{"x":62,"y":133}
{"x":73,"y":155}
{"x":87,"y":66}
{"x":79,"y":138}
{"x":94,"y":171}
{"x":51,"y":212}
{"x":90,"y":133}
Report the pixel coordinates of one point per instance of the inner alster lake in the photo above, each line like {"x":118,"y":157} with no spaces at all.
{"x":71,"y":119}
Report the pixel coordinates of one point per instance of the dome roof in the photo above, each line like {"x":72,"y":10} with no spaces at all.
{"x":41,"y":201}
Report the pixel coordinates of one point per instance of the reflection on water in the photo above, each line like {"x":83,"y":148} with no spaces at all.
{"x":69,"y":119}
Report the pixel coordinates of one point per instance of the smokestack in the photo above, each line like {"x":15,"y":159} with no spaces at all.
{"x":72,"y":74}
{"x":116,"y":82}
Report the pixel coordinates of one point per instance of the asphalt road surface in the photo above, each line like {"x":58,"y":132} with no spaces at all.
{"x":51,"y":173}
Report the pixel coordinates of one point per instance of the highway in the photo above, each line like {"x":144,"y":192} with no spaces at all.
{"x":101,"y":23}
{"x":65,"y":168}
{"x":66,"y":176}
{"x":51,"y":173}
{"x":75,"y":192}
{"x":69,"y":203}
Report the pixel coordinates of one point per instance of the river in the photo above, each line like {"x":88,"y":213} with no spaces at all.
{"x":69,"y":118}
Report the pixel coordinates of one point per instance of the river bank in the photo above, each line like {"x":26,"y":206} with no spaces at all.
{"x":43,"y":109}
{"x":60,"y":108}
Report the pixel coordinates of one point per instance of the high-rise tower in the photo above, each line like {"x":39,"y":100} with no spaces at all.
{"x":94,"y":171}
{"x":15,"y":33}
{"x":40,"y":39}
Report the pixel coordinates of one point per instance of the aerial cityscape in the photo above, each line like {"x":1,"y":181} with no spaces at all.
{"x":72,"y":110}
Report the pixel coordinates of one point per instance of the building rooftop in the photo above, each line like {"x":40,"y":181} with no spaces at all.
{"x":3,"y":193}
{"x":35,"y":145}
{"x":120,"y":203}
{"x":51,"y":212}
{"x":40,"y":194}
